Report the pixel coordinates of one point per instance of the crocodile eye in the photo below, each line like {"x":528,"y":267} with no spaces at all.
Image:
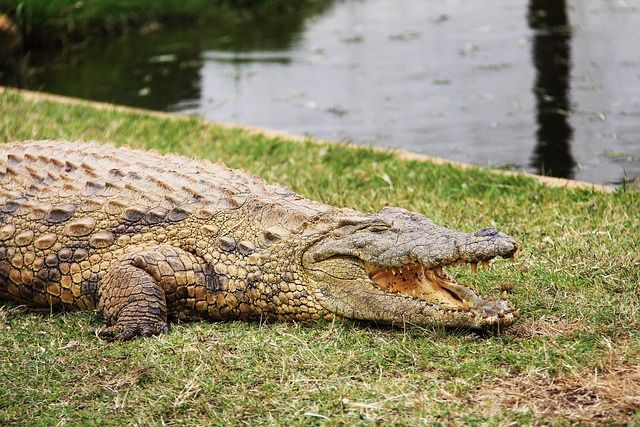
{"x":377,"y":228}
{"x":350,"y":226}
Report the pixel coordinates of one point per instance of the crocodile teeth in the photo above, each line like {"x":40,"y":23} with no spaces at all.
{"x":474,"y":267}
{"x":503,"y":296}
{"x":377,"y":275}
{"x":485,"y":265}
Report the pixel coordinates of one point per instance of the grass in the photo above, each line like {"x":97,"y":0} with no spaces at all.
{"x":572,"y":359}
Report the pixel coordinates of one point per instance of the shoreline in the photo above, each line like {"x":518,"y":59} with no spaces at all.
{"x":271,"y":133}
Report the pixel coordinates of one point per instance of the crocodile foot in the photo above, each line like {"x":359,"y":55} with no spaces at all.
{"x":129,"y":332}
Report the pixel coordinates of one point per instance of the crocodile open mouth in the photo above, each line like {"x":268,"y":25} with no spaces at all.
{"x":438,"y":287}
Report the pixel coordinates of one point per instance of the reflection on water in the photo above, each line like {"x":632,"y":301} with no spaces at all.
{"x":445,"y":78}
{"x":552,"y":59}
{"x":161,"y":70}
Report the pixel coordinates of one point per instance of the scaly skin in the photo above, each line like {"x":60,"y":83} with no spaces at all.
{"x":146,"y":238}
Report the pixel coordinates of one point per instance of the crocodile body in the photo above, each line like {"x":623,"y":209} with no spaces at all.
{"x":146,"y":238}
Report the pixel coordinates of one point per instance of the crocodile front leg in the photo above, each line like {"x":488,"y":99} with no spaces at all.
{"x":136,"y":292}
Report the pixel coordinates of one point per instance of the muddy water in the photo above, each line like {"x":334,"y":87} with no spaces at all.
{"x":547,"y":86}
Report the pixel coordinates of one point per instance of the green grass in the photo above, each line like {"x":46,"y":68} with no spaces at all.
{"x":572,"y":358}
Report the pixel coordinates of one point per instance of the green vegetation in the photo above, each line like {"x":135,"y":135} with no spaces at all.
{"x":46,"y":21}
{"x":573,"y":357}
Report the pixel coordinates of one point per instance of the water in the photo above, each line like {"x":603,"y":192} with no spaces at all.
{"x":550,"y":87}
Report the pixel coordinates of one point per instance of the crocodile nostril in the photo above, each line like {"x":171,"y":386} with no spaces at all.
{"x":486,"y":232}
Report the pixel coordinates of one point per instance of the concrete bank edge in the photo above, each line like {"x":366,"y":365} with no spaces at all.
{"x":270,"y":133}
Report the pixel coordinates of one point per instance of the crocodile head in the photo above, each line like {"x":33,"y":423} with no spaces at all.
{"x":390,"y":267}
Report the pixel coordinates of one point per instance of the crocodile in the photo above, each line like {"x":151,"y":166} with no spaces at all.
{"x":148,"y":239}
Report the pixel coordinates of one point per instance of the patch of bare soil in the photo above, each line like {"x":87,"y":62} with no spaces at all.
{"x":596,"y":398}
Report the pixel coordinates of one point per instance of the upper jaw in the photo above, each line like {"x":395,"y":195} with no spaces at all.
{"x":396,"y":238}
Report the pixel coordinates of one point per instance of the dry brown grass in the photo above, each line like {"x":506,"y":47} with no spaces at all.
{"x":607,"y":395}
{"x":545,"y":326}
{"x":589,"y":398}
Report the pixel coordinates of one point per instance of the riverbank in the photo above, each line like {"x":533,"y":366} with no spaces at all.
{"x":570,"y":359}
{"x":270,"y":133}
{"x":42,"y":24}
